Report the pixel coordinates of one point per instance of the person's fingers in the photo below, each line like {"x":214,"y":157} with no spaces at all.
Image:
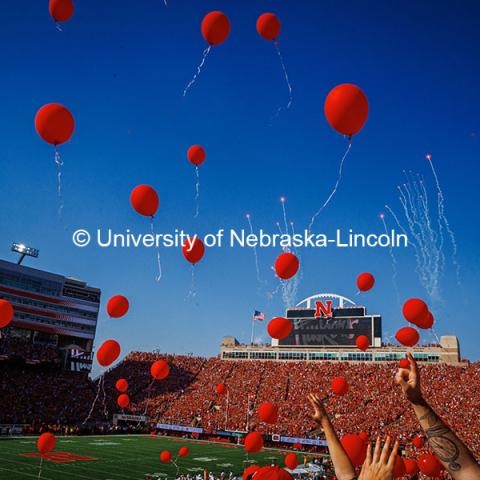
{"x":368,"y":458}
{"x":376,"y":453}
{"x":400,"y":380}
{"x":385,"y":450}
{"x":393,"y":455}
{"x":413,"y":363}
{"x":311,"y":399}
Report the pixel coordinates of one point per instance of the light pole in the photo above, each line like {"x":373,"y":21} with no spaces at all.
{"x":24,"y":251}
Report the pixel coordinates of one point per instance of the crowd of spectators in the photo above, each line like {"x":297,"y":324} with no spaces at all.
{"x":17,"y":348}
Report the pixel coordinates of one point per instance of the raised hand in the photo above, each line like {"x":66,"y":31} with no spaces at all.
{"x":409,"y":381}
{"x":380,"y":466}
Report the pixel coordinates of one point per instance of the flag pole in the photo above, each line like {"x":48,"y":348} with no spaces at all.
{"x":253,"y":329}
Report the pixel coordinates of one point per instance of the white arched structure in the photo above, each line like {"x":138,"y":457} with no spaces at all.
{"x":307,"y":302}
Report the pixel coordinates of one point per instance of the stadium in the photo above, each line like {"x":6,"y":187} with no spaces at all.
{"x":46,"y":355}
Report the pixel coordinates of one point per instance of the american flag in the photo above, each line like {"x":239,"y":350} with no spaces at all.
{"x":258,"y":315}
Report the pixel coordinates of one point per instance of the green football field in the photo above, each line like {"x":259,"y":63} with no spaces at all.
{"x":117,"y":457}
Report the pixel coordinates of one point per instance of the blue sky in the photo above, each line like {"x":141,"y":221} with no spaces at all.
{"x":121,"y":67}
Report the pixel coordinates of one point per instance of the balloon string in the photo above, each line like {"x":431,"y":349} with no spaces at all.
{"x":199,"y":68}
{"x":58,"y":27}
{"x":159,"y":263}
{"x":255,"y":253}
{"x":197,"y":193}
{"x":332,"y":193}
{"x":193,"y":289}
{"x":59,"y":164}
{"x":105,"y":410}
{"x":40,"y":469}
{"x":290,"y":94}
{"x":94,"y":401}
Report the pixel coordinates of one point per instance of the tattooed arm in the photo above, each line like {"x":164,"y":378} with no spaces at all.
{"x":451,"y":451}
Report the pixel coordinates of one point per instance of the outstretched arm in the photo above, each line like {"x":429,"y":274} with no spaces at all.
{"x":451,"y":451}
{"x":344,"y":469}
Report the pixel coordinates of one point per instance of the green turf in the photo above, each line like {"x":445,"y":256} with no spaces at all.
{"x":124,"y":457}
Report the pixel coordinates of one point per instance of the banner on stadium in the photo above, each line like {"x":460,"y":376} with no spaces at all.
{"x":302,"y":441}
{"x":179,"y":428}
{"x":129,"y":418}
{"x":226,"y":433}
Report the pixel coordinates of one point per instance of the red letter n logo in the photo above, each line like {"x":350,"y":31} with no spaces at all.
{"x":322,"y":310}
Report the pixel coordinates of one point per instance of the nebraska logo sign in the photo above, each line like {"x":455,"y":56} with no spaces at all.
{"x":323,"y":310}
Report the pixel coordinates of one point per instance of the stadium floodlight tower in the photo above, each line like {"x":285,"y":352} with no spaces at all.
{"x":24,"y":251}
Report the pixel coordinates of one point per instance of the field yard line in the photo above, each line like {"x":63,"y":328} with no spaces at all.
{"x":23,"y":473}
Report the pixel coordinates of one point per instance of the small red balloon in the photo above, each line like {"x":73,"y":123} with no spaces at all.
{"x":411,"y":467}
{"x":268,"y":412}
{"x":221,"y":389}
{"x":365,"y":281}
{"x":160,"y":370}
{"x":418,"y":442}
{"x":407,"y":336}
{"x":268,"y":26}
{"x":183,"y":452}
{"x":404,"y":363}
{"x":249,"y":471}
{"x":46,"y":442}
{"x":253,"y":442}
{"x":414,"y":310}
{"x":193,"y":250}
{"x":291,"y":461}
{"x":346,"y":109}
{"x":286,"y":265}
{"x":121,"y":385}
{"x":6,"y":313}
{"x":196,"y":155}
{"x":61,"y":10}
{"x":340,"y":386}
{"x":362,"y":342}
{"x":123,"y":400}
{"x":215,"y":28}
{"x":144,"y":200}
{"x":429,"y":465}
{"x":355,"y":447}
{"x":108,"y":352}
{"x":117,"y":306}
{"x":279,"y":327}
{"x":166,"y":456}
{"x":54,"y":123}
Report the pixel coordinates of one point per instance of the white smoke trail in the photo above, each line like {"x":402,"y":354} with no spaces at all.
{"x":159,"y":263}
{"x":59,"y":164}
{"x":255,"y":253}
{"x":199,"y":69}
{"x":197,"y":192}
{"x":394,"y":260}
{"x":290,"y":91}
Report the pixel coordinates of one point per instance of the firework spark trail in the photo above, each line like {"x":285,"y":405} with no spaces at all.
{"x":99,"y":386}
{"x":441,"y":213}
{"x":282,"y":201}
{"x":199,"y":69}
{"x":159,"y":263}
{"x":197,"y":192}
{"x":393,"y":258}
{"x":339,"y":178}
{"x":59,"y":164}
{"x":290,"y":92}
{"x":105,"y":410}
{"x":255,"y":253}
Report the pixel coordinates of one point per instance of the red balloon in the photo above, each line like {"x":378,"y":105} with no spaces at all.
{"x":339,"y":386}
{"x":108,"y":352}
{"x":414,"y":310}
{"x":272,"y":473}
{"x":346,"y":109}
{"x":429,"y":465}
{"x":165,"y":456}
{"x":268,"y":412}
{"x":399,"y":469}
{"x":54,"y":123}
{"x":279,"y":327}
{"x":418,"y":442}
{"x":364,"y":436}
{"x":407,"y":336}
{"x":123,"y":400}
{"x":196,"y":154}
{"x":268,"y":26}
{"x":355,"y":447}
{"x":215,"y":28}
{"x":160,"y":370}
{"x":193,"y":252}
{"x":411,"y":467}
{"x":46,"y":442}
{"x":183,"y":452}
{"x":144,"y":200}
{"x":121,"y":385}
{"x":404,"y":363}
{"x":249,"y":471}
{"x":6,"y":313}
{"x":253,"y":442}
{"x":221,"y":389}
{"x":286,"y":265}
{"x":291,"y":461}
{"x":61,"y":10}
{"x":365,"y":281}
{"x":117,"y":306}
{"x":426,"y":322}
{"x":362,"y":342}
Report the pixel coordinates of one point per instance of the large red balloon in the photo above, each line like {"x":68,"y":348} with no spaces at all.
{"x":193,"y":253}
{"x":221,"y":389}
{"x":166,"y":456}
{"x":160,"y":370}
{"x":144,"y":200}
{"x":46,"y":442}
{"x":407,"y":336}
{"x":426,"y":322}
{"x":362,"y":342}
{"x":414,"y":310}
{"x":268,"y":26}
{"x":399,"y":469}
{"x":249,"y":471}
{"x":291,"y":461}
{"x":364,"y":436}
{"x":346,"y":109}
{"x":279,"y":327}
{"x":183,"y":452}
{"x":286,"y":265}
{"x":355,"y":447}
{"x":429,"y":465}
{"x":268,"y":412}
{"x":196,"y":155}
{"x":54,"y":123}
{"x":272,"y":473}
{"x":123,"y":400}
{"x":215,"y":28}
{"x":340,"y":386}
{"x":61,"y":10}
{"x":6,"y":313}
{"x":117,"y":306}
{"x":108,"y":352}
{"x":411,"y":467}
{"x":121,"y":385}
{"x":365,"y":281}
{"x":253,"y":442}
